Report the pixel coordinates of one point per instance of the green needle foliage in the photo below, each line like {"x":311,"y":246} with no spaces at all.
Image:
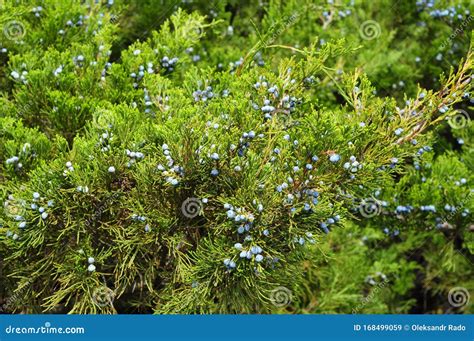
{"x":197,"y":168}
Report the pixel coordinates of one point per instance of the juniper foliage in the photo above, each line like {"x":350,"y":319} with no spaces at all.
{"x":196,"y":168}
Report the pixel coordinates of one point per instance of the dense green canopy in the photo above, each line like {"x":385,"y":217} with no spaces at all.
{"x":236,"y":157}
